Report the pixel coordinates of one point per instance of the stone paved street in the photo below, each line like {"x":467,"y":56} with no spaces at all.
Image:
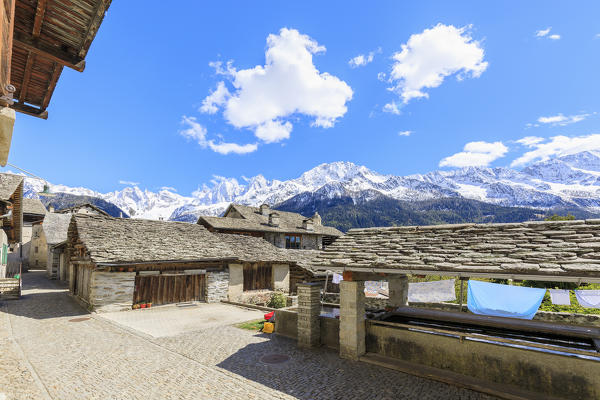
{"x":53,"y":349}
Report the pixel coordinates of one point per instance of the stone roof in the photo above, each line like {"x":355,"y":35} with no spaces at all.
{"x":55,"y":227}
{"x":33,"y":206}
{"x":76,"y":208}
{"x":253,"y":220}
{"x":547,"y":249}
{"x":306,"y":259}
{"x":8,"y":184}
{"x":124,"y":240}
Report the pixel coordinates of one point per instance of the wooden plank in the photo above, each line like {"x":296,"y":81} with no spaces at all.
{"x":29,"y":110}
{"x":7,"y":18}
{"x":51,"y":85}
{"x":39,"y":18}
{"x":42,"y":49}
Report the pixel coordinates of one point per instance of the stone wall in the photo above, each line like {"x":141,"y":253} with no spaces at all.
{"x":38,"y":249}
{"x":535,"y":371}
{"x":217,"y":286}
{"x":236,"y":282}
{"x":281,"y":277}
{"x":111,"y":291}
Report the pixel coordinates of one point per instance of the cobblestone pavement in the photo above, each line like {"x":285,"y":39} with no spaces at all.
{"x":45,"y":354}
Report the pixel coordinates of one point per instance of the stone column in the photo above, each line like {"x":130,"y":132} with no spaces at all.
{"x":398,"y":291}
{"x":352,"y":319}
{"x":309,"y":309}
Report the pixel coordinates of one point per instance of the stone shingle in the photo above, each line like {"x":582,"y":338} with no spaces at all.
{"x":124,"y":240}
{"x":562,"y":248}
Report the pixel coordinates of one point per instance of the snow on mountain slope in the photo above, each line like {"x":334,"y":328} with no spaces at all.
{"x":572,"y":180}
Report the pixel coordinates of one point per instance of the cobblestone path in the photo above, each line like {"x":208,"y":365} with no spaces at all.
{"x":53,"y":349}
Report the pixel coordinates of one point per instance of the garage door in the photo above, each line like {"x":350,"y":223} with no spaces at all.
{"x":165,"y":289}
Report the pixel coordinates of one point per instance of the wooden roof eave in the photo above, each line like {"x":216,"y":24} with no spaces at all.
{"x":460,"y":274}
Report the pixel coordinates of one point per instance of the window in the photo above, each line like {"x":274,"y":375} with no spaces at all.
{"x":36,"y":249}
{"x":292,"y":241}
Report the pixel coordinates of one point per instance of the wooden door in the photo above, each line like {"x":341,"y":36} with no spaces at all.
{"x":167,"y":289}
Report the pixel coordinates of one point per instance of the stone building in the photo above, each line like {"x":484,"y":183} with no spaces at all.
{"x":33,"y":211}
{"x":11,"y":219}
{"x":494,"y":354}
{"x":115,"y":263}
{"x":283,"y":229}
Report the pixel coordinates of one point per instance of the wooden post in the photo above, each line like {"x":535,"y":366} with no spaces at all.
{"x":462,"y":288}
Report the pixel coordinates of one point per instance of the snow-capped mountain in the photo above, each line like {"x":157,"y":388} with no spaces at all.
{"x":572,"y":180}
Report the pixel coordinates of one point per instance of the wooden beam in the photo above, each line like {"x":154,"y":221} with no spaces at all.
{"x":39,"y":18}
{"x":26,"y":76}
{"x":55,"y":75}
{"x":29,"y":110}
{"x":92,"y":28}
{"x":370,"y":276}
{"x":75,"y":62}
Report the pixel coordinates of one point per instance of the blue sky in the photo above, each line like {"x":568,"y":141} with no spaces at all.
{"x":470,"y":74}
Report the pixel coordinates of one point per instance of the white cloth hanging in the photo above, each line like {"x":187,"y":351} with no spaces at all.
{"x":560,"y":297}
{"x":337,"y":278}
{"x":588,"y":298}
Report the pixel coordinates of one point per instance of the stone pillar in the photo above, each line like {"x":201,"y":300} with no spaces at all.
{"x":309,"y":309}
{"x":398,"y":290}
{"x":352,"y":319}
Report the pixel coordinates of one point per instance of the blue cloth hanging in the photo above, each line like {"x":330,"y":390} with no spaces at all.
{"x":487,"y":298}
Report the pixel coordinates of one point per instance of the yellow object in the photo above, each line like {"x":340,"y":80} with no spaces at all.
{"x":268,"y":327}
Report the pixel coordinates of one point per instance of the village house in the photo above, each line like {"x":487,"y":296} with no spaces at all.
{"x":115,"y":263}
{"x":11,"y":218}
{"x":85,"y":208}
{"x":47,"y":244}
{"x":33,"y":211}
{"x":281,"y":228}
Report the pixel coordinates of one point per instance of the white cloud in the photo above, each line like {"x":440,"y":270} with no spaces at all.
{"x":129,"y":183}
{"x":361,"y":60}
{"x":273,"y":131}
{"x":432,"y":55}
{"x":405,"y":133}
{"x":597,"y":36}
{"x":288,"y":84}
{"x":543,"y":32}
{"x":559,"y":120}
{"x":476,"y":154}
{"x":557,"y":146}
{"x":530,"y":140}
{"x":392,"y":108}
{"x":226,"y":148}
{"x":197,"y":132}
{"x":217,"y":98}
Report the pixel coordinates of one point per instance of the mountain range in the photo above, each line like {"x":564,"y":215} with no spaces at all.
{"x":570,"y":182}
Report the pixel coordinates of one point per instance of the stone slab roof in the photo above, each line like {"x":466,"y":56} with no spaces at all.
{"x":124,"y":241}
{"x":254,"y":221}
{"x":552,"y":249}
{"x":55,"y":227}
{"x":8,"y":184}
{"x":33,"y":206}
{"x":76,"y":208}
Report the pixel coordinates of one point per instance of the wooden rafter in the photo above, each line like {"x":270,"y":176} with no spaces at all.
{"x":39,"y":18}
{"x":55,"y":75}
{"x":26,"y":76}
{"x":75,"y":62}
{"x":29,"y":110}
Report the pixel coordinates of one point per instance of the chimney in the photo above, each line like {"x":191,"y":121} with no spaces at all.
{"x":316,"y":219}
{"x":274,"y":219}
{"x":51,"y":208}
{"x":308,"y":224}
{"x":121,"y":214}
{"x":264,"y":210}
